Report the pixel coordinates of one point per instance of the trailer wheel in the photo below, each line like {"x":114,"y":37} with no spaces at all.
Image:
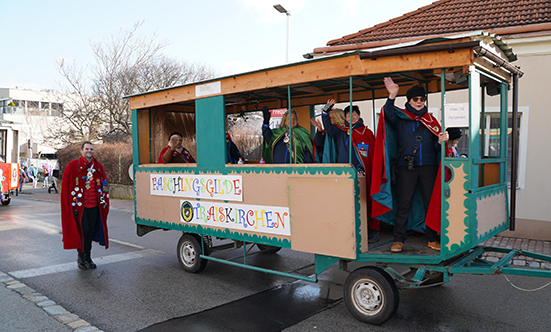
{"x":189,"y":249}
{"x":6,"y":201}
{"x":266,"y":249}
{"x":371,"y":295}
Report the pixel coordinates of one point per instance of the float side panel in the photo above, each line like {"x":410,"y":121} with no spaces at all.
{"x":320,"y":225}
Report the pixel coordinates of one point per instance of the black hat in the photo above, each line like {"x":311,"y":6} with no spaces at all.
{"x":416,"y":91}
{"x":454,"y":133}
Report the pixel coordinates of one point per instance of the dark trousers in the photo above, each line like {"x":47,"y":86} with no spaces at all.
{"x":407,"y":182}
{"x":90,"y":223}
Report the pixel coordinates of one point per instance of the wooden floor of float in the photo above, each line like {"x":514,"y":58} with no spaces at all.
{"x":415,"y":244}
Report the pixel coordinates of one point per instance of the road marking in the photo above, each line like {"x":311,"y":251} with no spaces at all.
{"x":126,"y":244}
{"x":10,"y":227}
{"x":73,"y":266}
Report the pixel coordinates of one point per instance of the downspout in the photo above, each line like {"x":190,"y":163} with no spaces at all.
{"x":514,"y":152}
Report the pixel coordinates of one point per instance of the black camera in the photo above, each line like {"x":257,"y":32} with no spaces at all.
{"x":410,"y":162}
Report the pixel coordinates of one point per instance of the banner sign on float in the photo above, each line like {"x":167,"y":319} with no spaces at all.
{"x":240,"y":217}
{"x":219,"y":187}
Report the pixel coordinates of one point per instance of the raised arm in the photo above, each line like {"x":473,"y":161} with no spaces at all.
{"x":391,"y":87}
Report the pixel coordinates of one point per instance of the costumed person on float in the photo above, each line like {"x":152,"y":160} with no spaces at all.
{"x":84,"y":205}
{"x":175,"y":152}
{"x":363,"y":142}
{"x":321,"y":139}
{"x":277,"y":145}
{"x":412,"y":137}
{"x":232,"y":152}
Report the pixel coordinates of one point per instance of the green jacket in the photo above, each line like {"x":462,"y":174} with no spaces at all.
{"x":301,"y":141}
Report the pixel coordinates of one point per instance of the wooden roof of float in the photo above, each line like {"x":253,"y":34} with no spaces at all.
{"x":313,"y":82}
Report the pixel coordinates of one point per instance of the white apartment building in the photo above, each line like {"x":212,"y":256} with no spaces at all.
{"x":24,"y":118}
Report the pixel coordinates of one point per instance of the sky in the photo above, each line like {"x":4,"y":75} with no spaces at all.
{"x":230,"y":36}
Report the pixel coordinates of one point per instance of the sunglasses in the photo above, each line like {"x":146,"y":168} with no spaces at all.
{"x":418,"y":99}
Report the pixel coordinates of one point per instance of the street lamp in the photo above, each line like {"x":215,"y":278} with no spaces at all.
{"x":282,"y":10}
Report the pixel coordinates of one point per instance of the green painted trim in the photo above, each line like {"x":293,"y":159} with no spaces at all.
{"x":474,"y":126}
{"x":323,"y":262}
{"x":503,"y":132}
{"x":210,"y":116}
{"x":226,"y":234}
{"x":468,"y":221}
{"x":135,"y":151}
{"x":498,"y":187}
{"x":351,"y":92}
{"x":260,"y":269}
{"x":489,"y":160}
{"x":290,"y":123}
{"x":398,"y":259}
{"x":135,"y":146}
{"x":485,"y":192}
{"x":490,"y":76}
{"x":443,"y":213}
{"x":357,"y":216}
{"x":253,"y":169}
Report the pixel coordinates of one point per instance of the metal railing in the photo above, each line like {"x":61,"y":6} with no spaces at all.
{"x":28,"y":111}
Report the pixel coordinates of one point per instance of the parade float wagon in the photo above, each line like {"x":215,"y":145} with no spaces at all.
{"x":9,"y":181}
{"x":292,"y":206}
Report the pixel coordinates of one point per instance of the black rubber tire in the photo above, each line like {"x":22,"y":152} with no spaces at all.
{"x":371,"y":295}
{"x":6,"y":201}
{"x":188,"y":251}
{"x":266,"y":249}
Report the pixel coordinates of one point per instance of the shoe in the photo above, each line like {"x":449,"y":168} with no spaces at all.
{"x":81,"y":262}
{"x":397,"y":246}
{"x":373,"y":236}
{"x":434,"y":245}
{"x":88,"y":262}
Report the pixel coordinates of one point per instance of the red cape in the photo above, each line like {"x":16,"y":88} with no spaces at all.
{"x":72,"y":185}
{"x":380,"y":186}
{"x":186,"y":156}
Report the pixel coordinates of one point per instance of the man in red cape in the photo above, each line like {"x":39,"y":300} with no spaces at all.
{"x":419,"y":136}
{"x":175,"y":152}
{"x":84,"y":205}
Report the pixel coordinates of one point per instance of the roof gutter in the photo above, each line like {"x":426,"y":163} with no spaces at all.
{"x":360,"y":46}
{"x":419,"y":49}
{"x":499,"y":61}
{"x":450,"y":47}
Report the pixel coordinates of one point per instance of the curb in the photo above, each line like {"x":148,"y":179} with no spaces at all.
{"x":50,"y":307}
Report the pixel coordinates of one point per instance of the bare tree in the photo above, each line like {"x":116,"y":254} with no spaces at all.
{"x":82,"y":118}
{"x":126,"y":64}
{"x":129,"y":64}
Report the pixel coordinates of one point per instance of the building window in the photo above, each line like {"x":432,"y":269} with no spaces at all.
{"x":492,"y":140}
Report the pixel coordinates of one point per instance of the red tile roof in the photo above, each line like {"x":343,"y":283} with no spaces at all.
{"x":453,"y":16}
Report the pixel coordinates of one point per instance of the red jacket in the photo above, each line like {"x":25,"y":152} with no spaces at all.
{"x":72,"y":196}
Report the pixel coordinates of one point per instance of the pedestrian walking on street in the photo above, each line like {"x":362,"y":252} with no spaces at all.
{"x":33,"y":174}
{"x":84,"y":205}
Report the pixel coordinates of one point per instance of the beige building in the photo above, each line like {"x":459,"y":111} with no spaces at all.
{"x":523,"y":25}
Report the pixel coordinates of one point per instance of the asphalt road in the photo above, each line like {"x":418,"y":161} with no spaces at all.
{"x":139,"y":283}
